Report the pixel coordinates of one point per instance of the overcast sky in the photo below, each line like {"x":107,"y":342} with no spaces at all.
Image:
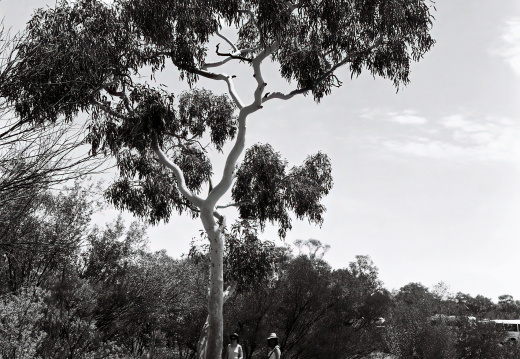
{"x":426,"y":180}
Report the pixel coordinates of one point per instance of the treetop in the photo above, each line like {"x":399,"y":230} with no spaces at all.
{"x":88,"y":57}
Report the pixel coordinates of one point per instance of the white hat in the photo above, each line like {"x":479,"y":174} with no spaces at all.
{"x":272,"y":336}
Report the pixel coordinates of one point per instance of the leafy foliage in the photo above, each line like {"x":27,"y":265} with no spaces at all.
{"x":268,"y":190}
{"x":249,"y":262}
{"x":410,"y":333}
{"x":20,"y":323}
{"x":41,"y":232}
{"x":316,"y":37}
{"x":182,"y":28}
{"x":70,"y":52}
{"x":89,"y":57}
{"x":361,"y":293}
{"x":55,"y":77}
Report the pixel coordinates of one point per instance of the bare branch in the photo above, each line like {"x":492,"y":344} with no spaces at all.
{"x":279,"y":95}
{"x":237,"y":204}
{"x":228,"y":41}
{"x":237,"y":55}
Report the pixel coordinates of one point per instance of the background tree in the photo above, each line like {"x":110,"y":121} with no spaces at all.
{"x":314,"y":248}
{"x":481,"y":339}
{"x":478,"y":306}
{"x":361,"y":302}
{"x":508,"y":307}
{"x":317,"y":312}
{"x":410,"y":331}
{"x":41,"y":233}
{"x":35,"y":157}
{"x":83,"y":56}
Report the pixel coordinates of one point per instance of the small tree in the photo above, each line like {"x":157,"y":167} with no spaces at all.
{"x":83,"y":56}
{"x":410,"y":331}
{"x":34,"y":159}
{"x":41,"y":233}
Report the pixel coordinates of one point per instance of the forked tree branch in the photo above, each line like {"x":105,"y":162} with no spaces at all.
{"x":227,"y":176}
{"x":324,"y":76}
{"x":179,"y":175}
{"x":222,"y":77}
{"x":228,"y":173}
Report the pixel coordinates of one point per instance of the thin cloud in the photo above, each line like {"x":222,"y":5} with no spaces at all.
{"x":407,"y":117}
{"x":510,"y":48}
{"x":458,"y":136}
{"x":463,"y":136}
{"x":429,"y":149}
{"x":462,"y":122}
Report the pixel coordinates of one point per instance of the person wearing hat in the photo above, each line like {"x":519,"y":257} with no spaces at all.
{"x":274,"y":352}
{"x":234,"y":350}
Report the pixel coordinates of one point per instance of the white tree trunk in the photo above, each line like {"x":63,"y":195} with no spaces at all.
{"x":203,"y":339}
{"x":215,"y":326}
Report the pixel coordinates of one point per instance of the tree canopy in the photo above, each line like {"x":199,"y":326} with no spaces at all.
{"x":88,"y":57}
{"x":84,"y":56}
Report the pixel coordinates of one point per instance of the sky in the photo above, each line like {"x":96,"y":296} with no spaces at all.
{"x":426,"y":180}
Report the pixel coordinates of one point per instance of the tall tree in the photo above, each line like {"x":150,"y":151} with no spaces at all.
{"x":83,"y":56}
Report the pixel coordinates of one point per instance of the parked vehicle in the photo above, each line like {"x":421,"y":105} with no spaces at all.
{"x":511,"y":327}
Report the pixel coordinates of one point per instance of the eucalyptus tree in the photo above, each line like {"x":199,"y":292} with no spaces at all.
{"x":86,"y":57}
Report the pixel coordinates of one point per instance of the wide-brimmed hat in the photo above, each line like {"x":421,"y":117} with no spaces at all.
{"x":272,"y":336}
{"x":234,"y":335}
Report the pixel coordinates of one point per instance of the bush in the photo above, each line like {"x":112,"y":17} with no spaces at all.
{"x":20,"y":318}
